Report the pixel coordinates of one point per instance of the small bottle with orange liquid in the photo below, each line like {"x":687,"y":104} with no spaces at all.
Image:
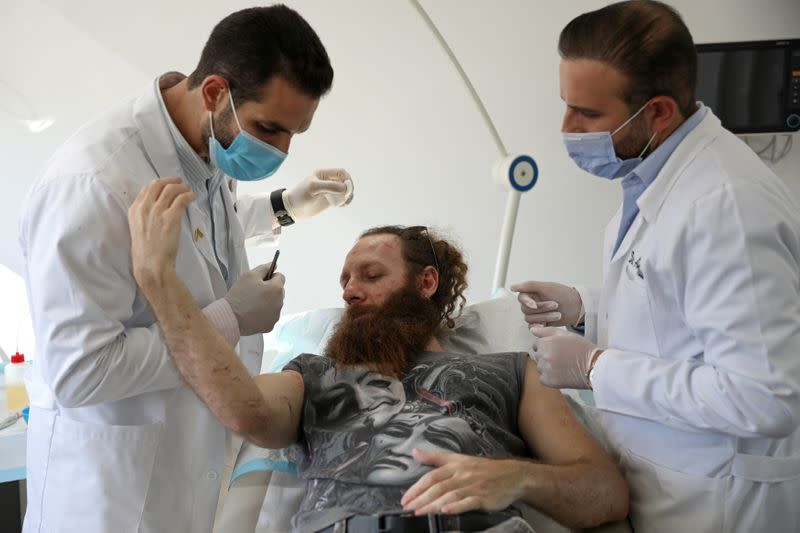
{"x":15,"y":383}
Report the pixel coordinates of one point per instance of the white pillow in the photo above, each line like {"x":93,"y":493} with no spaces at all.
{"x":491,"y":326}
{"x":300,"y":333}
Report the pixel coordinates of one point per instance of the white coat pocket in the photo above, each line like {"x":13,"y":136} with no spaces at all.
{"x":98,"y":476}
{"x":629,"y":321}
{"x":666,"y":500}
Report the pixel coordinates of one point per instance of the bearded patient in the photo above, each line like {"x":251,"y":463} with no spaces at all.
{"x":389,"y":423}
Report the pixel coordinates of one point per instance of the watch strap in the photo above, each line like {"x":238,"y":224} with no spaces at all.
{"x":279,"y":208}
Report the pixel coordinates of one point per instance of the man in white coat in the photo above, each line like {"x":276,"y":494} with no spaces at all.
{"x":692,"y":345}
{"x":117,"y":441}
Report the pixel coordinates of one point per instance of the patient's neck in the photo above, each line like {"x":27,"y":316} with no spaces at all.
{"x":434,"y":345}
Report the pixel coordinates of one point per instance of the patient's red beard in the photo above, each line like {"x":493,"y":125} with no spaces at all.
{"x":383,"y":337}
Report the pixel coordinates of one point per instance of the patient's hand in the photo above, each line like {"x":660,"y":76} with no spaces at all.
{"x":461,"y":483}
{"x":155,"y":224}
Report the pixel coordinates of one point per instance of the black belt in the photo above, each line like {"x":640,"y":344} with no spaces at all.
{"x":430,"y":523}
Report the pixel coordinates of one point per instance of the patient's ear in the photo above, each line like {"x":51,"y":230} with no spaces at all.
{"x":429,"y":281}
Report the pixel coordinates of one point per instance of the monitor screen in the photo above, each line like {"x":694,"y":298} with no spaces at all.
{"x":744,"y":88}
{"x":747,"y":84}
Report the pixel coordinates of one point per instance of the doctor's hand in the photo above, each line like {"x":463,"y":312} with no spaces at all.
{"x":257,"y":302}
{"x":317,"y":192}
{"x":563,"y":357}
{"x":463,"y":483}
{"x":154,"y":219}
{"x":547,"y":303}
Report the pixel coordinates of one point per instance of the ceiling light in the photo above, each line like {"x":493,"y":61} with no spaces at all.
{"x":38,"y":125}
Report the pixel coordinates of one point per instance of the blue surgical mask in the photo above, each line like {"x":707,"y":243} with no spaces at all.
{"x":247,"y":158}
{"x":594,"y":151}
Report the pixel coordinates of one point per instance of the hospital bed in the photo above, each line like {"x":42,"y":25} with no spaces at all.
{"x":264,"y":492}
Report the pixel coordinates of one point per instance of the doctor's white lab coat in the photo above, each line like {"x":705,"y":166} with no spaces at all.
{"x":700,"y":388}
{"x":117,"y":442}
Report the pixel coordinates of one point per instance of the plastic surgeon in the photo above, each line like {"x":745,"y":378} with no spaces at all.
{"x":117,"y":441}
{"x":575,"y":482}
{"x":691,"y":345}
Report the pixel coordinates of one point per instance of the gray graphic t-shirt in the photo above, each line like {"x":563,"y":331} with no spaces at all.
{"x":359,"y":427}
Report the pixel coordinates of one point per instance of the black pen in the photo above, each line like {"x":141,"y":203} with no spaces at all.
{"x":271,"y":270}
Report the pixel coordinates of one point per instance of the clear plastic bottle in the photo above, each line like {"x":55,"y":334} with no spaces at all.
{"x":15,"y":383}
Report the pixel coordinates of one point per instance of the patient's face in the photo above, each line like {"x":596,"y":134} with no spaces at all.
{"x":373,"y":270}
{"x":387,"y":319}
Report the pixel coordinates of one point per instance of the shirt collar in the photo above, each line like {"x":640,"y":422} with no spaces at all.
{"x":196,"y":171}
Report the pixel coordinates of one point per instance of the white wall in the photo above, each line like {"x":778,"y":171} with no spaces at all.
{"x":397,"y":118}
{"x":63,"y":72}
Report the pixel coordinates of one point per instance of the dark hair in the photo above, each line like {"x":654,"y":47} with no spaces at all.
{"x":647,"y":41}
{"x":251,"y":46}
{"x":422,"y":248}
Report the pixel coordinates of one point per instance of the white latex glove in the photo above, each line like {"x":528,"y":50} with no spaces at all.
{"x":547,"y":303}
{"x":563,"y":357}
{"x":257,"y":302}
{"x":314,"y":194}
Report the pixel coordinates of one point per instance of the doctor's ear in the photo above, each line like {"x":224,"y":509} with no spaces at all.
{"x":214,"y":91}
{"x":663,"y":111}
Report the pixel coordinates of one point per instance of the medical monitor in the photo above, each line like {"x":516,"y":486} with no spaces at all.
{"x":752,"y":86}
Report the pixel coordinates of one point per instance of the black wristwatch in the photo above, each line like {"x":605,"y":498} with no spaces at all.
{"x":276,"y":199}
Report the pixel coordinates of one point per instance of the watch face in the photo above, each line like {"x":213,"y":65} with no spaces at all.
{"x":284,"y":219}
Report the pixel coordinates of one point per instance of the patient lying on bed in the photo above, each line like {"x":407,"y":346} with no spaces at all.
{"x":387,"y":422}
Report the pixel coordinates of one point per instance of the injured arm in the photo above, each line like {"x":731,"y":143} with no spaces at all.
{"x":210,"y":366}
{"x":203,"y":357}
